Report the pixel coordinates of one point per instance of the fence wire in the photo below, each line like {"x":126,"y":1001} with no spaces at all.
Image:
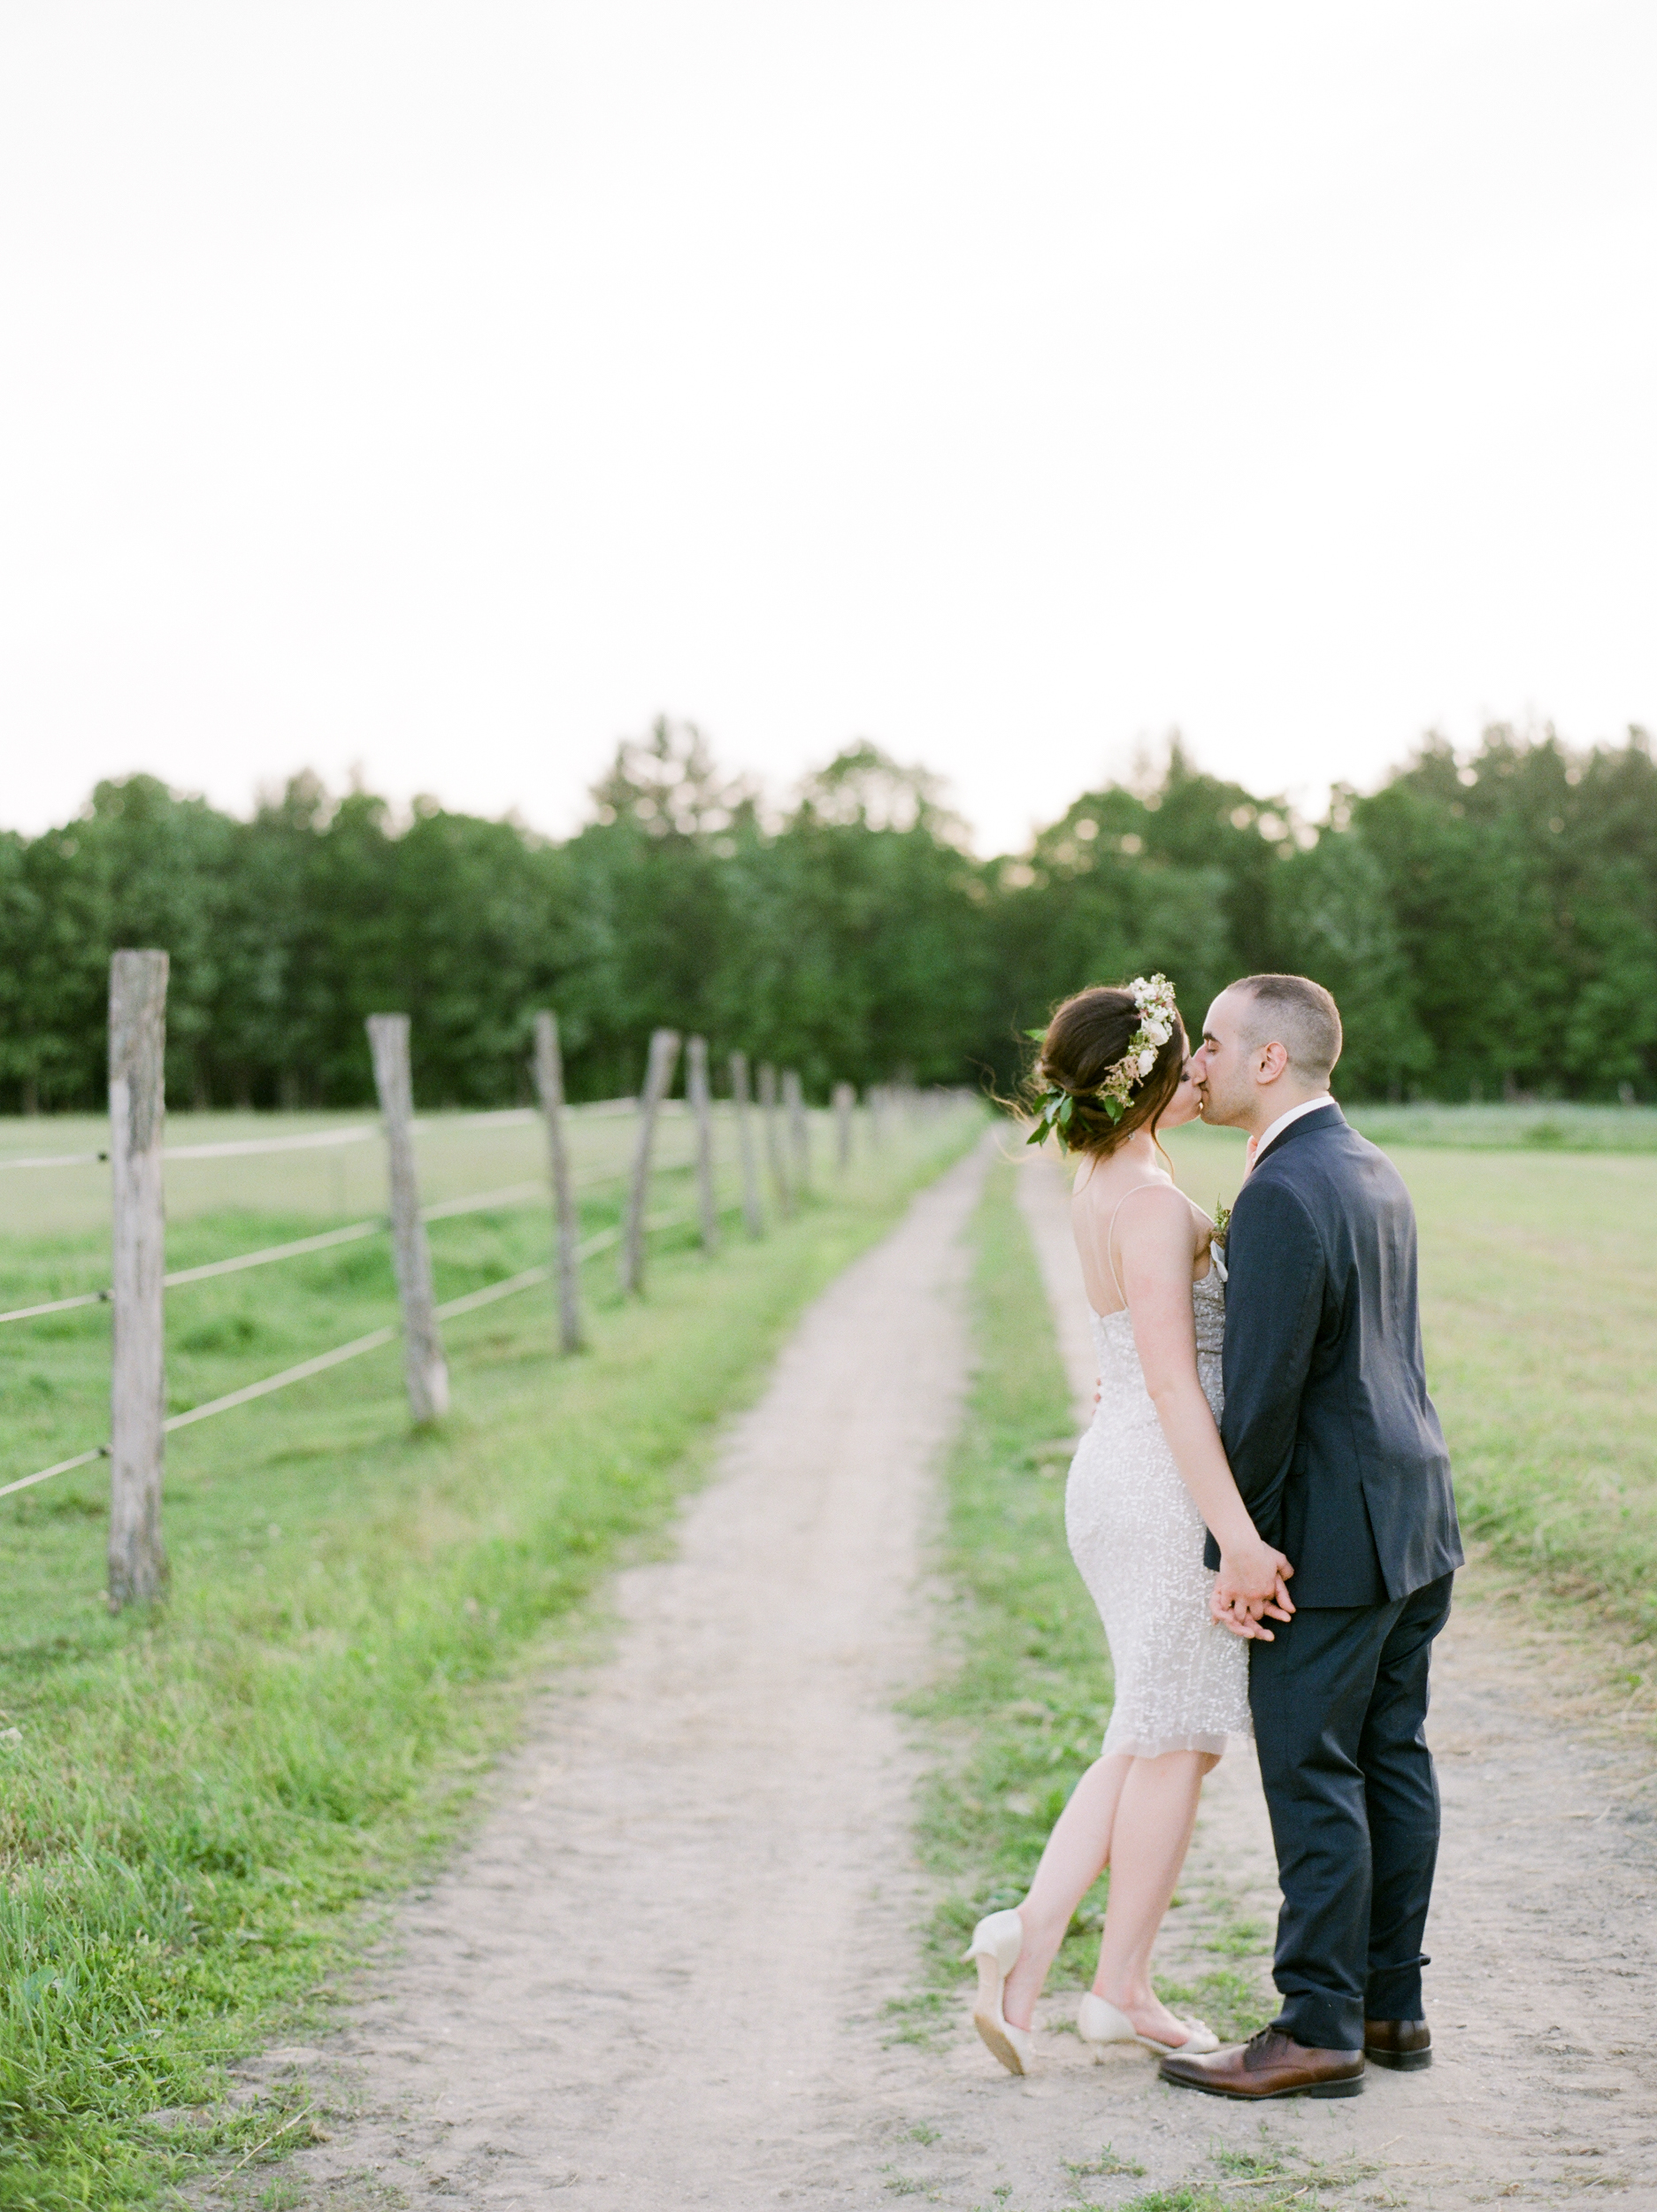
{"x":447,"y":1209}
{"x":490,"y":1294}
{"x":601,"y":1241}
{"x":353,"y":1133}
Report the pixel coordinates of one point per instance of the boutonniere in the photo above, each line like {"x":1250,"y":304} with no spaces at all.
{"x":1216,"y":1241}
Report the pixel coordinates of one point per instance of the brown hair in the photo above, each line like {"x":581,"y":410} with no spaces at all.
{"x":1086,"y":1034}
{"x":1298,"y":1014}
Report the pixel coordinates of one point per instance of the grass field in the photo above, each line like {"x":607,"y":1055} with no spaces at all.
{"x":231,"y":1331}
{"x":1556,"y":1126}
{"x":1539,"y":1309}
{"x":200,"y":1804}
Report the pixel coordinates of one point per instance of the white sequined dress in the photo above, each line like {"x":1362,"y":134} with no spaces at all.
{"x":1137,"y":1537}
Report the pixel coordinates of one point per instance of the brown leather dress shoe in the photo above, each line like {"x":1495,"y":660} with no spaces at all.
{"x":1268,"y":2065}
{"x":1404,"y":2045}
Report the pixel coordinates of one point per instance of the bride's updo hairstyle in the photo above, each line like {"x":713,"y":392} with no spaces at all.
{"x":1087,"y":1035}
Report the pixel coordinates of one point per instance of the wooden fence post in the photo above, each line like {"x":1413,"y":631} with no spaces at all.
{"x":845,"y":1105}
{"x":657,"y":1082}
{"x":424,"y":1368}
{"x":549,"y":1086}
{"x":138,"y":1035}
{"x":776,"y":1160}
{"x":751,"y":1213}
{"x":799,"y":1132}
{"x":702,"y":1107}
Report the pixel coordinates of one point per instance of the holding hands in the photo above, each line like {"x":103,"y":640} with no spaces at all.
{"x":1251,"y":1587}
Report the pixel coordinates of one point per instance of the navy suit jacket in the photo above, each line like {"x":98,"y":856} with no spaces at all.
{"x":1328,"y":1426}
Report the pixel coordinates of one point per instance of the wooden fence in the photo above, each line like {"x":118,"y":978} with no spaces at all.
{"x":139,"y":1281}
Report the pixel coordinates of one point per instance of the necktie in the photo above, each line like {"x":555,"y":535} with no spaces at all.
{"x":1249,"y":1151}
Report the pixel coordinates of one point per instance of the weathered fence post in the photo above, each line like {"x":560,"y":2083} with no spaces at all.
{"x":657,"y":1082}
{"x":751,"y":1214}
{"x":549,"y":1086}
{"x":799,"y":1132}
{"x":424,"y":1368}
{"x":138,"y":1036}
{"x":702,"y":1108}
{"x":845,"y":1105}
{"x":776,"y":1160}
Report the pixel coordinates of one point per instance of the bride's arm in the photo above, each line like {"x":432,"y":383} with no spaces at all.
{"x":1154,"y":1241}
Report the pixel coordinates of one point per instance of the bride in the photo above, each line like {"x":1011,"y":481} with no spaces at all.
{"x":1147,"y":1478}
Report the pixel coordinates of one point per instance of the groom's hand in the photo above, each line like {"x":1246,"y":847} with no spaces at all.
{"x":1252,"y":1587}
{"x":1240,"y":1620}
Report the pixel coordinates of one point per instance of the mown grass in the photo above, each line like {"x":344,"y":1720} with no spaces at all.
{"x":223,"y":1333}
{"x":1544,"y":1126}
{"x":1021,"y":1711}
{"x":199,"y":1806}
{"x":1540,"y":1303}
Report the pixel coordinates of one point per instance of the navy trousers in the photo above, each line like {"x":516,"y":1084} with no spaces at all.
{"x":1339,"y":1700}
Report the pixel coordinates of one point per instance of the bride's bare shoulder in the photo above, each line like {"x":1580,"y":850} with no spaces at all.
{"x":1104,"y":1184}
{"x":1160,"y":1210}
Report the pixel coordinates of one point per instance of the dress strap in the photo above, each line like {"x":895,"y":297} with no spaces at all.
{"x":1110,"y":1233}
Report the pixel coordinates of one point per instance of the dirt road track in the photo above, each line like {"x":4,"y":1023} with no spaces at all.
{"x":657,"y":1978}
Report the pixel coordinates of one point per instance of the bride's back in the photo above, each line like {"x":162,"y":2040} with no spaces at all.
{"x":1100,"y":1186}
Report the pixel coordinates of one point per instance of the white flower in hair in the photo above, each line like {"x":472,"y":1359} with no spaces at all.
{"x":1153,"y":996}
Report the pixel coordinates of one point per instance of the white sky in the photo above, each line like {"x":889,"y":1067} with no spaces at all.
{"x":449,"y":388}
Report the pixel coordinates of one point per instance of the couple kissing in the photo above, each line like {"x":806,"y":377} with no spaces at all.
{"x":1261,"y":1512}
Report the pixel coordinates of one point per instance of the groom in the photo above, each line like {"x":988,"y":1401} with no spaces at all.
{"x":1341,"y":1459}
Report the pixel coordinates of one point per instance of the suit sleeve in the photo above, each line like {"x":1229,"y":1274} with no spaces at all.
{"x":1274,"y":1304}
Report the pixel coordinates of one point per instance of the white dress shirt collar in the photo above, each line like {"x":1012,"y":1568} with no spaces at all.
{"x":1274,"y":1130}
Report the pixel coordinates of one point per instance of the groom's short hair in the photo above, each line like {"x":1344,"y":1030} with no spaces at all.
{"x":1300,"y":1016}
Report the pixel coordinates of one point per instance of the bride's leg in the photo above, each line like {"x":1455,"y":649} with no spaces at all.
{"x":1076,"y":1852}
{"x":1155,"y":1817}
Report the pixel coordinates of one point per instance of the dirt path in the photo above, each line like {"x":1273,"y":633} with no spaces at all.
{"x":657,"y":1979}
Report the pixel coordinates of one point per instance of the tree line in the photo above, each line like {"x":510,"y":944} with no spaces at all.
{"x":1488,"y":924}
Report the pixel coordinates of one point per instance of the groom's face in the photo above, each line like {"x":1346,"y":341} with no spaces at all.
{"x":1223,"y":1064}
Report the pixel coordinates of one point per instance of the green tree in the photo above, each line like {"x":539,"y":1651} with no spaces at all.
{"x":1487,"y":924}
{"x":1331,"y":918}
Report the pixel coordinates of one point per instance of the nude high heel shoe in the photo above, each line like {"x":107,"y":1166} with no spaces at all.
{"x":996,"y":1942}
{"x":1100,"y":2024}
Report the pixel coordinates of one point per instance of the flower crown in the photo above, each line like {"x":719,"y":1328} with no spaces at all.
{"x":1153,"y":996}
